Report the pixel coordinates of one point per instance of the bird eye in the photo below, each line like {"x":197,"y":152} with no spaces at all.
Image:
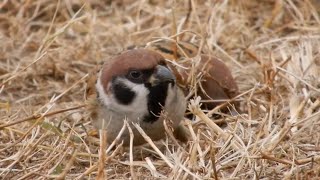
{"x":135,"y":74}
{"x":163,"y":63}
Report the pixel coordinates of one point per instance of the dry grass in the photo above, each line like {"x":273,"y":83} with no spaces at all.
{"x":47,"y":48}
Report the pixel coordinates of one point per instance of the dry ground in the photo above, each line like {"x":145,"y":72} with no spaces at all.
{"x":47,"y":48}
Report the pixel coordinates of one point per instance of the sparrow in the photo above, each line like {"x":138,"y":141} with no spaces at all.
{"x":216,"y":84}
{"x":136,"y":86}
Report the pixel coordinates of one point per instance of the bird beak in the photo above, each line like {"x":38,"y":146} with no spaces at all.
{"x":162,"y":75}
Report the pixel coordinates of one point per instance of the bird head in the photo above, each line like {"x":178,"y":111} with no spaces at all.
{"x":137,"y":84}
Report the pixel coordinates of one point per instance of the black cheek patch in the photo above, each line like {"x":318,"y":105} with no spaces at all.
{"x":156,"y":101}
{"x":123,"y":94}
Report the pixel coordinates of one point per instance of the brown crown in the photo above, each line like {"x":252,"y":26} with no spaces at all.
{"x":132,"y":59}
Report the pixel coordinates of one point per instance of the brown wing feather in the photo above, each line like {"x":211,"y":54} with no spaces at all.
{"x":217,"y":81}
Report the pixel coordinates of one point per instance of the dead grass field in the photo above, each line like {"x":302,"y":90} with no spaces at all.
{"x":47,"y":48}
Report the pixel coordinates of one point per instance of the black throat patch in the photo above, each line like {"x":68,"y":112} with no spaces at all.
{"x":123,"y":94}
{"x":156,"y":101}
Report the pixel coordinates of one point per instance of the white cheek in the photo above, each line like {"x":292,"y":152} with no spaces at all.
{"x":133,"y":111}
{"x":139,"y":104}
{"x":102,"y":95}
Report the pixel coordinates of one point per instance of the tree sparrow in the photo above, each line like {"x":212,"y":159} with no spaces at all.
{"x":136,"y":86}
